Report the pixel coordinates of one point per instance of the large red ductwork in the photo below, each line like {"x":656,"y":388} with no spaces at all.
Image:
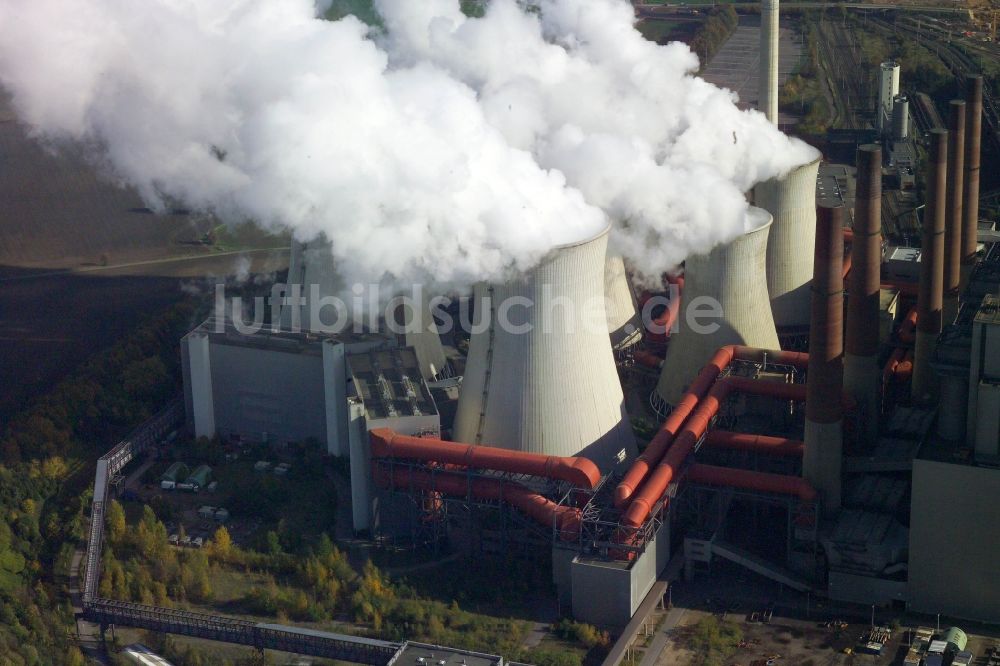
{"x":579,"y":472}
{"x":639,"y":470}
{"x":648,"y":359}
{"x":565,"y":519}
{"x":907,"y":333}
{"x":739,"y":441}
{"x":695,"y":426}
{"x":749,"y":480}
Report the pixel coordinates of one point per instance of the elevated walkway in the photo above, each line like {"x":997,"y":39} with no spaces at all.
{"x":759,"y":565}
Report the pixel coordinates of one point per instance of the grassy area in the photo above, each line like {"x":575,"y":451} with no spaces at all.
{"x":663,"y":32}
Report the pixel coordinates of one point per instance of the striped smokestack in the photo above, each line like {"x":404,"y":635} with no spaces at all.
{"x":767,"y":102}
{"x":954,"y":203}
{"x":973,"y":136}
{"x":930,"y":296}
{"x":824,"y":412}
{"x":861,"y":362}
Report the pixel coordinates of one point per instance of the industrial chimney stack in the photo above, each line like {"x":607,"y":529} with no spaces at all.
{"x":973,"y":129}
{"x":821,"y":464}
{"x":768,"y":93}
{"x":954,"y":203}
{"x":930,"y":295}
{"x":861,"y":362}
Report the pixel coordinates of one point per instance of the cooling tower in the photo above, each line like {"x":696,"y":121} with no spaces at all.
{"x":540,"y":375}
{"x":730,"y":276}
{"x":768,"y":92}
{"x":421,"y":333}
{"x":792,"y":202}
{"x":624,"y":324}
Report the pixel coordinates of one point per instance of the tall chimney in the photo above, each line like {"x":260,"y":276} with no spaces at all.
{"x":824,"y":413}
{"x":861,"y":362}
{"x":955,"y":196}
{"x":930,"y":295}
{"x":767,"y":102}
{"x":973,"y":129}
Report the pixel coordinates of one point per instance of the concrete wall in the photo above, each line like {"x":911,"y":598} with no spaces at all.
{"x":261,"y":391}
{"x":857,"y":589}
{"x":607,"y":594}
{"x":955,"y":541}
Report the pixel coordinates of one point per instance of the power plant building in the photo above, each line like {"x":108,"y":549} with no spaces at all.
{"x":888,"y":90}
{"x":273,"y":387}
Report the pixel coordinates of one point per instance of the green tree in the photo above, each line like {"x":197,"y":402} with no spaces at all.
{"x":116,"y":522}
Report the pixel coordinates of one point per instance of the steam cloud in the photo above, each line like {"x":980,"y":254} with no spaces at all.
{"x":443,"y":147}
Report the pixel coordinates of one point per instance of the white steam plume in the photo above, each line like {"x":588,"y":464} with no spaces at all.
{"x":445,"y":148}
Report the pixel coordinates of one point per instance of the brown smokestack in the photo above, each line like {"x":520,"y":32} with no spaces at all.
{"x":861,"y":361}
{"x":822,"y":458}
{"x":973,"y":135}
{"x":954,"y":204}
{"x":930,"y":296}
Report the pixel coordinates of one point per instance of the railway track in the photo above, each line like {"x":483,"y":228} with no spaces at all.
{"x":955,"y":58}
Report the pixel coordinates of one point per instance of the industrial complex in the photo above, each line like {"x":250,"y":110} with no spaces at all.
{"x":845,"y":401}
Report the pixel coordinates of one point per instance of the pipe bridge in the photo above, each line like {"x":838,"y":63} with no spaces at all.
{"x":243,"y":632}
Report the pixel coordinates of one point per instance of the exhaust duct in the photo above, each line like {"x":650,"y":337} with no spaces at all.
{"x":768,"y":92}
{"x":541,"y":375}
{"x":954,"y":203}
{"x":731,"y":280}
{"x":930,"y":296}
{"x":821,"y":464}
{"x":970,"y":212}
{"x":861,"y":372}
{"x":792,"y":203}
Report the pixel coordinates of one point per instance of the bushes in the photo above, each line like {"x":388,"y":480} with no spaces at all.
{"x":585,"y":634}
{"x":713,"y":641}
{"x":714,"y":32}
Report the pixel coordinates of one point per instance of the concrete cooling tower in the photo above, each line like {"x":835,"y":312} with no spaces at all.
{"x":624,"y":324}
{"x":541,"y":376}
{"x":732,"y":276}
{"x":792,"y":203}
{"x":311,"y":264}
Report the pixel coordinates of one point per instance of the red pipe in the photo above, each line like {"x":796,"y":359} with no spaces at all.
{"x":580,"y":472}
{"x":637,"y":473}
{"x":749,"y":480}
{"x":537,"y":507}
{"x":907,"y":330}
{"x":889,"y":371}
{"x":648,"y":359}
{"x":781,"y":446}
{"x":902,"y":286}
{"x":847,"y":261}
{"x":696,"y":425}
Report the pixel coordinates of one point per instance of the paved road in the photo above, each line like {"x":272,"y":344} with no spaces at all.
{"x":662,"y":637}
{"x":149,"y":262}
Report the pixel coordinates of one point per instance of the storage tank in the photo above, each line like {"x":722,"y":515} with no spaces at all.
{"x":732,"y":276}
{"x":900,"y":118}
{"x":792,"y":203}
{"x":888,"y":90}
{"x":540,"y":375}
{"x":624,"y":324}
